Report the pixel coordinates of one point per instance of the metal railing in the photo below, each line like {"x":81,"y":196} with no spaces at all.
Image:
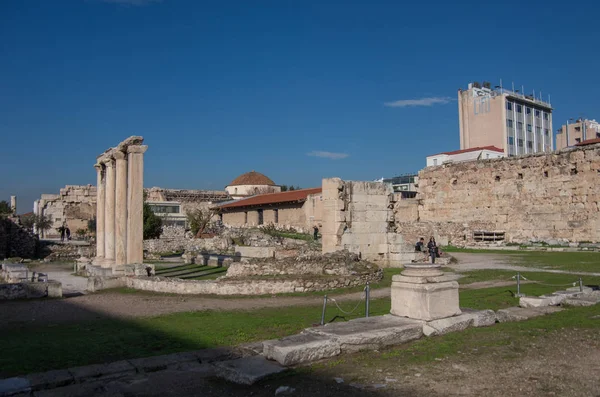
{"x":366,"y":296}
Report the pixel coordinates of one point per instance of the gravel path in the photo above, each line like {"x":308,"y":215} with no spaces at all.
{"x":472,"y":261}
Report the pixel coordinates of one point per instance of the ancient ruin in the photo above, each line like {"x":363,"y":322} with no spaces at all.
{"x":120,"y":199}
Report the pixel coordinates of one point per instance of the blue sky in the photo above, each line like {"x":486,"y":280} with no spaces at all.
{"x":218,"y":88}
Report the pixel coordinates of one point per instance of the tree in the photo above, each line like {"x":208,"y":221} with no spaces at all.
{"x":42,"y":223}
{"x":28,"y":221}
{"x":91,"y":226}
{"x":152,"y":223}
{"x":5,"y":208}
{"x":200,"y":218}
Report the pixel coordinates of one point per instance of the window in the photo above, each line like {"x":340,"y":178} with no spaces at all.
{"x":511,"y":140}
{"x":245,"y":216}
{"x":487,"y":155}
{"x":528,"y":127}
{"x":520,"y":125}
{"x":519,"y":109}
{"x":537,"y":113}
{"x":508,"y":105}
{"x":545,"y":116}
{"x":530,"y":145}
{"x":527,"y":110}
{"x":538,"y":130}
{"x":434,"y":161}
{"x":577,"y":140}
{"x":235,"y":192}
{"x":520,"y":142}
{"x":509,"y":123}
{"x":577,"y":128}
{"x":276,"y":215}
{"x":546,"y":132}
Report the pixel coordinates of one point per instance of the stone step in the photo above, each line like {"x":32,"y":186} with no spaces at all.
{"x":468,"y":318}
{"x":247,"y":370}
{"x":372,"y":332}
{"x":301,"y":348}
{"x":520,"y":313}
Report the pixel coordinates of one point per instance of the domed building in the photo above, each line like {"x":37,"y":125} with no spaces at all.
{"x":250,"y":184}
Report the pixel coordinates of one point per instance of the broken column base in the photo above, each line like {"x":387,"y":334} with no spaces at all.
{"x":424,"y":292}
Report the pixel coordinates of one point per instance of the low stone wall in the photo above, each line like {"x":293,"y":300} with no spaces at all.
{"x":30,"y":290}
{"x":254,"y":252}
{"x":185,"y":244}
{"x":246,"y":286}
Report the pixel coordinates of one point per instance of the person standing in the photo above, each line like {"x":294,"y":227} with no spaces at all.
{"x":432,"y":247}
{"x":68,"y":233}
{"x":62,"y":231}
{"x":315,"y":232}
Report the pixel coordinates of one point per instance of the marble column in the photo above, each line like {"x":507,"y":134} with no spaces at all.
{"x":121,"y":208}
{"x":100,"y":211}
{"x":135,"y":203}
{"x":109,"y":212}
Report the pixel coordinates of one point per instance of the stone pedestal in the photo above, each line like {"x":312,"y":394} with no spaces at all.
{"x":424,"y":292}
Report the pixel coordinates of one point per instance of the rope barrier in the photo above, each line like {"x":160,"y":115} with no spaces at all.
{"x":519,"y":277}
{"x":353,"y":310}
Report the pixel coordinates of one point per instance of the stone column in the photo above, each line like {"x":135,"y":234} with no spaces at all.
{"x":135,"y":204}
{"x":109,"y":212}
{"x":100,"y":210}
{"x":121,"y":208}
{"x":13,"y":205}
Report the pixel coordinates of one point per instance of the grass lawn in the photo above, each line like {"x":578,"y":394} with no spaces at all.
{"x":39,"y":348}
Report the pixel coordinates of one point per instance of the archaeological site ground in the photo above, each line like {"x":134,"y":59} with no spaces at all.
{"x":314,"y":291}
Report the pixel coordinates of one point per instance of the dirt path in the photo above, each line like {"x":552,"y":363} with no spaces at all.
{"x":472,"y":261}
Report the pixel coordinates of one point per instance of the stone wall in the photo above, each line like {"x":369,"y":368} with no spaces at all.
{"x":74,"y":205}
{"x":243,"y":286}
{"x":16,"y":241}
{"x":30,"y":290}
{"x":359,"y":217}
{"x":552,"y":198}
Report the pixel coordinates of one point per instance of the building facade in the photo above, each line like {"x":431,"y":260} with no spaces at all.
{"x":250,"y":184}
{"x":571,"y":134}
{"x":301,"y":209}
{"x":477,"y":153}
{"x":516,"y":123}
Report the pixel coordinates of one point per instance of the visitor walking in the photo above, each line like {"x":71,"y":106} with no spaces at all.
{"x":432,"y":247}
{"x":68,"y":233}
{"x":315,"y":232}
{"x":62,"y":232}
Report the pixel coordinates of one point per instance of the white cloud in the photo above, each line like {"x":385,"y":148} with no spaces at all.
{"x":430,"y":101}
{"x":132,"y":2}
{"x":328,"y":155}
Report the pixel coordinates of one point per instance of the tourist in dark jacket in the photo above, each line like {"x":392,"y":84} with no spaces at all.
{"x":432,"y":247}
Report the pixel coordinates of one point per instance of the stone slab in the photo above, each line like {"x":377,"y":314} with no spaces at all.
{"x":94,"y":372}
{"x":247,"y":370}
{"x":212,"y":355}
{"x":540,"y":301}
{"x":520,"y":314}
{"x":159,"y":363}
{"x":372,"y":332}
{"x":11,"y":386}
{"x":469,"y":318}
{"x":427,"y":302}
{"x":301,"y":348}
{"x":50,"y":379}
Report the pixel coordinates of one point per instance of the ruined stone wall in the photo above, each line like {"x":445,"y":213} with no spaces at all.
{"x":289,"y":216}
{"x":553,"y":197}
{"x":359,"y":217}
{"x":75,"y":206}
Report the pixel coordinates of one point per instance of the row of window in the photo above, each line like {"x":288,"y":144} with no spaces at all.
{"x":510,"y":124}
{"x":519,"y":108}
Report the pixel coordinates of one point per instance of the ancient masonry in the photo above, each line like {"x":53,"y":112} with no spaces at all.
{"x":359,"y":217}
{"x":552,"y":198}
{"x":74,"y":206}
{"x":120,"y":199}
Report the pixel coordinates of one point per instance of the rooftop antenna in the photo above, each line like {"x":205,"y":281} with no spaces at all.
{"x":541,"y":95}
{"x":500,"y":85}
{"x":523,"y":89}
{"x":549,"y":103}
{"x":533,"y":94}
{"x":513,"y":85}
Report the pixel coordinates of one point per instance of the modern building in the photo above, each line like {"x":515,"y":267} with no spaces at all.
{"x":476,"y":153}
{"x":507,"y":119}
{"x":579,"y":131}
{"x":300,"y":209}
{"x":250,"y":184}
{"x":405,"y":184}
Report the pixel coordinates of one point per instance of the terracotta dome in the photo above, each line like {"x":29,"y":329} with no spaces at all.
{"x":252,"y":178}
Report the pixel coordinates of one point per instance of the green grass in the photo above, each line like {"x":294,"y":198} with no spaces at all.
{"x":38,"y":348}
{"x":514,"y":336}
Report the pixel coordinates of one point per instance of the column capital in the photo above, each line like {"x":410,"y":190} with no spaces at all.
{"x":137,"y":148}
{"x":119,"y":155}
{"x":98,"y":166}
{"x":109,"y":162}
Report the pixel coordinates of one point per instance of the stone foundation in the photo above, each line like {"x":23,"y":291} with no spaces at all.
{"x":30,"y":290}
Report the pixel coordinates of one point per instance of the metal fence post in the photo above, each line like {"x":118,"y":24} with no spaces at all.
{"x":580,"y":285}
{"x":367,"y":295}
{"x":518,"y":284}
{"x":324,"y":307}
